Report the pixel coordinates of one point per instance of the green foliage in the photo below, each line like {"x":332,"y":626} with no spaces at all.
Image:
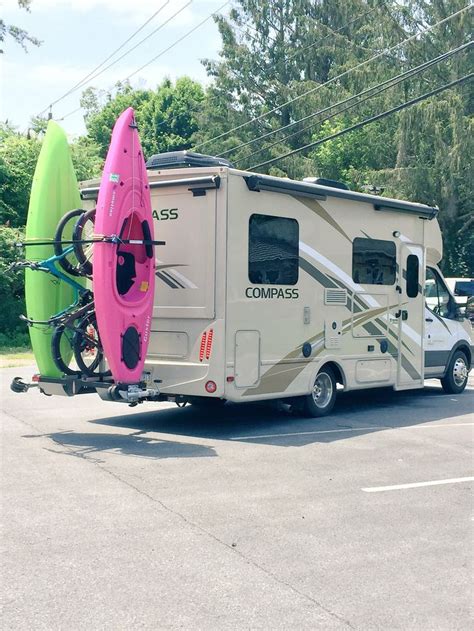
{"x":103,"y":109}
{"x":12,"y":287}
{"x":19,"y":35}
{"x":86,"y":159}
{"x":167,"y":117}
{"x":18,"y":157}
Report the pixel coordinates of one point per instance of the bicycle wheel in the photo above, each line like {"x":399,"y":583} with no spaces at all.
{"x":87,"y":347}
{"x":62,"y":348}
{"x":84,"y":231}
{"x":64,"y":232}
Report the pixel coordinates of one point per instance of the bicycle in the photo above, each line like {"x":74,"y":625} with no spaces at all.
{"x":75,"y":327}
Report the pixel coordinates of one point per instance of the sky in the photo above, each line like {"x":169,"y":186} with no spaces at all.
{"x":77,"y":35}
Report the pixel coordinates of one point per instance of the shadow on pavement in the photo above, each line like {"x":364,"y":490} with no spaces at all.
{"x":82,"y":444}
{"x":365,"y":411}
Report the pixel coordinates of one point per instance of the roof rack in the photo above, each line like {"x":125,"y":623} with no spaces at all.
{"x":176,"y":159}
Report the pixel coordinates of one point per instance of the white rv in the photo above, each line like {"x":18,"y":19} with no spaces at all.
{"x":269,"y":288}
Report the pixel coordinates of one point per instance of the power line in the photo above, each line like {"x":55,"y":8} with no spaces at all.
{"x":398,"y":108}
{"x":83,"y":80}
{"x":178,"y":40}
{"x":374,"y":91}
{"x":136,"y":46}
{"x":343,"y":74}
{"x":166,"y":49}
{"x":330,"y":107}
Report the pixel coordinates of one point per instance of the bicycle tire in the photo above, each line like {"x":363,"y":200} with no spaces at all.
{"x":63,"y":336}
{"x":72,"y":267}
{"x":83,"y":340}
{"x":84,"y":252}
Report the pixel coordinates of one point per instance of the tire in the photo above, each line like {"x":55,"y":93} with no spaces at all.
{"x":323,"y":395}
{"x":87,"y":348}
{"x":65,"y":231}
{"x":457,"y":373}
{"x":62,"y":344}
{"x":84,"y":229}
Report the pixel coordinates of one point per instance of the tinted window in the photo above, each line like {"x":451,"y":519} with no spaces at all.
{"x":464,"y":288}
{"x":374,"y":262}
{"x":413,"y":270}
{"x":436,"y":295}
{"x":273,"y":250}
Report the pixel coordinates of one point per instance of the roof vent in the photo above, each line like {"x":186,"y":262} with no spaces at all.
{"x":177,"y":159}
{"x":324,"y":182}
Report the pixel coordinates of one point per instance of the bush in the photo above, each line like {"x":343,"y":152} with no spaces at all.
{"x":12,"y":289}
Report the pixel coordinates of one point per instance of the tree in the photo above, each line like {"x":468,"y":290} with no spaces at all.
{"x":18,"y":157}
{"x":19,"y":35}
{"x":167,"y":117}
{"x":102,"y":110}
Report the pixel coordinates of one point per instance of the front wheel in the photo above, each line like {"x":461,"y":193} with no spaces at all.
{"x":322,"y":398}
{"x":64,"y":250}
{"x":455,"y":379}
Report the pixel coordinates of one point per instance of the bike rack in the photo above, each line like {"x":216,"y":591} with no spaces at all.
{"x":106,"y":388}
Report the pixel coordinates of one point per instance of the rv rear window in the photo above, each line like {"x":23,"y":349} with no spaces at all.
{"x":273,"y":250}
{"x":374,"y":262}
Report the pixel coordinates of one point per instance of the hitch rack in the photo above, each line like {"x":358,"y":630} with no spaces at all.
{"x":106,"y":388}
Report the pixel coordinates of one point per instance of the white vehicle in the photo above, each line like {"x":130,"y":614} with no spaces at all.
{"x":269,"y":288}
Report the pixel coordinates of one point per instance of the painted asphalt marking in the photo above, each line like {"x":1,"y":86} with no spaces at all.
{"x":348,"y":429}
{"x":415,"y":485}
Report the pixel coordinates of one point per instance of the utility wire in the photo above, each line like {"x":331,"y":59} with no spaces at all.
{"x":178,"y":40}
{"x":343,"y":74}
{"x":398,"y":108}
{"x":83,"y":80}
{"x":136,"y":46}
{"x":367,"y":94}
{"x":351,"y":98}
{"x":164,"y":50}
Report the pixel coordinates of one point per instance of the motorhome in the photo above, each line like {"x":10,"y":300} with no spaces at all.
{"x":271,"y":288}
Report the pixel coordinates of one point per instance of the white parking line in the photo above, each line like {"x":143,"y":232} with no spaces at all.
{"x":415,"y":485}
{"x":348,"y":429}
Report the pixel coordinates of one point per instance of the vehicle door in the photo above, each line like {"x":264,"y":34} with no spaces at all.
{"x":439,"y":329}
{"x":410,"y":317}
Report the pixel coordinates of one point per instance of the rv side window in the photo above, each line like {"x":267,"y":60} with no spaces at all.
{"x":273,"y":250}
{"x":413,"y":270}
{"x":374,"y":261}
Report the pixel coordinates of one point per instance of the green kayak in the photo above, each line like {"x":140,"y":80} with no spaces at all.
{"x":54,"y":193}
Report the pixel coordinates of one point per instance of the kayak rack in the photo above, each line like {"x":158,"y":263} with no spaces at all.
{"x":106,"y":388}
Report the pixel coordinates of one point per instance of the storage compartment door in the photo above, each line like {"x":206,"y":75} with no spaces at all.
{"x":247,"y":358}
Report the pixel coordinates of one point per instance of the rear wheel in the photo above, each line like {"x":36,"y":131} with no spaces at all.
{"x":87,"y":347}
{"x":322,"y":398}
{"x":455,"y":379}
{"x":62,"y":349}
{"x":64,"y":232}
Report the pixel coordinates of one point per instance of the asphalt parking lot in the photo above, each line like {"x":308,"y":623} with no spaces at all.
{"x":251,"y":518}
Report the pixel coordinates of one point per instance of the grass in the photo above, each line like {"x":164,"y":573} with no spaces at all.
{"x":15,"y":350}
{"x":15,"y":355}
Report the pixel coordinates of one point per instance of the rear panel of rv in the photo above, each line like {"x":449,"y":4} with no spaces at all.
{"x":187,"y":338}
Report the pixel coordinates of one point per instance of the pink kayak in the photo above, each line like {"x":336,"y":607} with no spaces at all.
{"x":123,"y":272}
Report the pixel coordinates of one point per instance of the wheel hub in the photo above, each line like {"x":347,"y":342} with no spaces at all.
{"x":460,"y":371}
{"x":322,"y":390}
